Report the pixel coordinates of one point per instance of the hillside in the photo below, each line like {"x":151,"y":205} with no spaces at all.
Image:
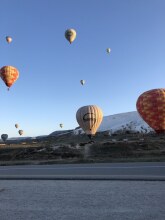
{"x":129,"y":121}
{"x":70,"y":148}
{"x":121,"y":137}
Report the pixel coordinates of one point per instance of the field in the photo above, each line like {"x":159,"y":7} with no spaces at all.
{"x":71,"y":148}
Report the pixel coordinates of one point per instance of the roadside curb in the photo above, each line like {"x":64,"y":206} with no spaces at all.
{"x":83,"y":177}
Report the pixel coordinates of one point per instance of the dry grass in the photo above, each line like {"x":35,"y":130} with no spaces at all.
{"x":71,"y":148}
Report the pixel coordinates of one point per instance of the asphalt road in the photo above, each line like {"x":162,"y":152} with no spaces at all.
{"x":145,"y":171}
{"x":81,"y":200}
{"x":47,"y":192}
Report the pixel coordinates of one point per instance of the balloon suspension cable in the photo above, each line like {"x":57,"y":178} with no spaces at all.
{"x":91,"y":139}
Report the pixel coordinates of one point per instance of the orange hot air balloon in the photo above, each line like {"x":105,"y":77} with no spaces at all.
{"x":151,"y":107}
{"x":9,"y":75}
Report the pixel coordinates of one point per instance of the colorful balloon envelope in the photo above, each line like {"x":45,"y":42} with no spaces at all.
{"x":9,"y":75}
{"x":70,"y":35}
{"x":151,"y":107}
{"x":89,"y":118}
{"x":8,"y":39}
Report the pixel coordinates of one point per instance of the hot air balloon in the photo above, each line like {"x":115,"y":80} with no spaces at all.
{"x":82,"y":82}
{"x":16,"y":125}
{"x":4,"y":137}
{"x":70,"y":35}
{"x":9,"y":75}
{"x":20,"y":132}
{"x":8,"y":39}
{"x":108,"y":50}
{"x":151,"y":107}
{"x":61,"y":125}
{"x":89,"y":118}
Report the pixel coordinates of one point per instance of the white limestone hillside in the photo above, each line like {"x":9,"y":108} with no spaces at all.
{"x":129,"y":121}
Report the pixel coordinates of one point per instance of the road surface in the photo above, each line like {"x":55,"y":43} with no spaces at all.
{"x":50,"y":192}
{"x":81,"y":200}
{"x":105,"y":171}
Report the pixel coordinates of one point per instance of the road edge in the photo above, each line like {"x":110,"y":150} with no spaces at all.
{"x":84,"y":177}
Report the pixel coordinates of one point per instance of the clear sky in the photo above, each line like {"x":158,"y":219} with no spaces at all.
{"x":48,"y":91}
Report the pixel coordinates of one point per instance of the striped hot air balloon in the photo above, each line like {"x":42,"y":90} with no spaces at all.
{"x":89,"y":118}
{"x":151,"y":107}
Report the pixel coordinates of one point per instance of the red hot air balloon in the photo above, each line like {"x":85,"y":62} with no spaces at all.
{"x":9,"y":75}
{"x":151,"y":107}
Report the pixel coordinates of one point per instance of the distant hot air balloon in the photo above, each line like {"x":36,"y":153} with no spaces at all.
{"x":16,"y":125}
{"x":70,"y":35}
{"x":8,"y":39}
{"x":4,"y":137}
{"x":9,"y":75}
{"x":82,"y":82}
{"x":61,"y":125}
{"x":151,"y":107}
{"x":20,"y":132}
{"x":108,"y":50}
{"x":89,"y":118}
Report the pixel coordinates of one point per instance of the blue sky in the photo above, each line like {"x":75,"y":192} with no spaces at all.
{"x":48,"y":91}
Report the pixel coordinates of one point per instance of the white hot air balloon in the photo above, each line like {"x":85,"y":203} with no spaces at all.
{"x":61,"y":125}
{"x":108,"y":50}
{"x":16,"y":125}
{"x":82,"y":82}
{"x":89,"y":118}
{"x":70,"y":35}
{"x":20,"y":132}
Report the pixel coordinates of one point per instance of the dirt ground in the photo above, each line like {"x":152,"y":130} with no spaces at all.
{"x":71,"y":148}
